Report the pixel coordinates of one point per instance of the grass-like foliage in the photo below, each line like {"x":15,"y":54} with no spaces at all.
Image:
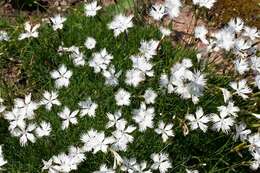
{"x":82,"y":90}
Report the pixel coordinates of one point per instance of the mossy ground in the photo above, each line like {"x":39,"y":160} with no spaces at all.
{"x":224,"y":10}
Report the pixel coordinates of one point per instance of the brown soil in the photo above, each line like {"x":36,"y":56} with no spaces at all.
{"x":11,"y":74}
{"x":249,"y":10}
{"x":224,"y":10}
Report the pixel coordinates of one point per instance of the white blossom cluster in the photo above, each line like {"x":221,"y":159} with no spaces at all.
{"x":64,"y":162}
{"x":142,"y":65}
{"x":121,"y":24}
{"x":122,"y":132}
{"x":25,"y":110}
{"x":23,"y":113}
{"x":241,"y":40}
{"x":169,"y":8}
{"x":184,"y":82}
{"x":223,"y":121}
{"x":172,"y":8}
{"x":68,"y":162}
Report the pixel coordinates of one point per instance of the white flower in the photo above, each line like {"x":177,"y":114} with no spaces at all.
{"x":173,"y":8}
{"x":255,"y":64}
{"x":161,"y":162}
{"x":254,"y":141}
{"x":104,"y":169}
{"x":129,"y":165}
{"x":44,"y":129}
{"x":256,"y":115}
{"x":252,"y":33}
{"x":88,"y":107}
{"x":26,"y":134}
{"x":254,"y":165}
{"x":165,"y":130}
{"x":77,"y":56}
{"x":103,"y":143}
{"x":68,"y":117}
{"x":96,"y":141}
{"x":4,"y":36}
{"x":180,"y":71}
{"x":134,"y":77}
{"x":122,"y":97}
{"x":204,"y":3}
{"x":2,"y":160}
{"x":241,"y":66}
{"x":241,"y":132}
{"x":199,"y":57}
{"x":144,"y":117}
{"x":165,"y":31}
{"x":92,"y":8}
{"x":113,"y":118}
{"x":200,"y":33}
{"x":50,"y":99}
{"x":100,"y":60}
{"x":199,"y":120}
{"x":230,"y":109}
{"x":111,"y":76}
{"x":164,"y":80}
{"x":57,"y":22}
{"x":63,"y":163}
{"x":142,"y":167}
{"x":47,"y":165}
{"x":242,"y":45}
{"x":150,"y":96}
{"x":62,"y":76}
{"x":122,"y":135}
{"x":257,"y":81}
{"x":31,"y":31}
{"x":77,"y":154}
{"x":16,"y":119}
{"x":236,"y":24}
{"x":121,"y":24}
{"x":89,"y":140}
{"x":26,"y":106}
{"x":196,"y":86}
{"x":225,"y":39}
{"x":241,"y":88}
{"x":226,"y":94}
{"x":90,"y":43}
{"x":157,"y":11}
{"x":149,"y":48}
{"x":184,"y":82}
{"x":2,"y":106}
{"x":142,"y":64}
{"x":191,"y":171}
{"x":181,"y":88}
{"x":222,"y":122}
